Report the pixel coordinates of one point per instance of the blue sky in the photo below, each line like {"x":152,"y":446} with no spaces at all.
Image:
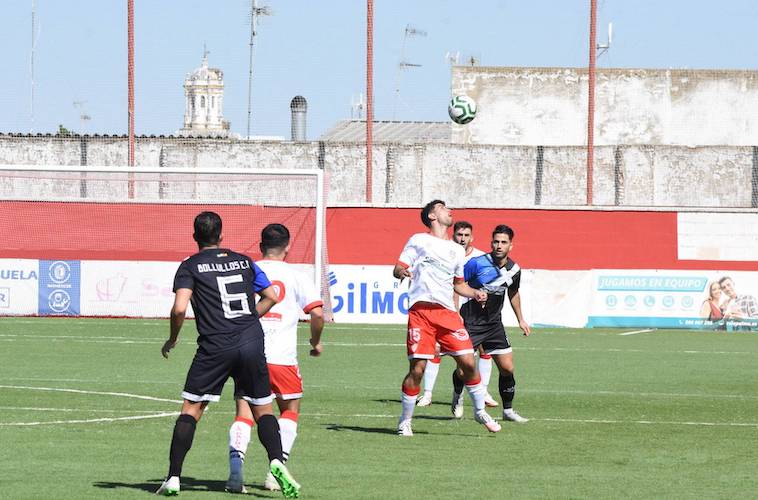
{"x":317,"y":49}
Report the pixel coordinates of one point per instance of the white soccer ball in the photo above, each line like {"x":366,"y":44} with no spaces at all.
{"x":462,"y":109}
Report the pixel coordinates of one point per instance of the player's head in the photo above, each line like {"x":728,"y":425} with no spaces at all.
{"x":502,"y":241}
{"x":462,"y":233}
{"x":436,"y":210}
{"x":207,"y":229}
{"x":275,"y":239}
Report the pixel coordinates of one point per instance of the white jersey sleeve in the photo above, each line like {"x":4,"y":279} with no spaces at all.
{"x":410,"y":252}
{"x":297,"y":295}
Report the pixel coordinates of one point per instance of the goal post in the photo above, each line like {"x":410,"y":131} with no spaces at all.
{"x":107,"y":219}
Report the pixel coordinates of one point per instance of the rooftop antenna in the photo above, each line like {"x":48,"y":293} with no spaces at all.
{"x":404,"y":64}
{"x":357,"y":107}
{"x":602,"y":48}
{"x":83,"y":116}
{"x":255,"y":12}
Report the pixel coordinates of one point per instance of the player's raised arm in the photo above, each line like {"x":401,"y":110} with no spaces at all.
{"x":178,"y":313}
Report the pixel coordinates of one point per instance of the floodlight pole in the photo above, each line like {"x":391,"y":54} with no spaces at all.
{"x":591,"y":100}
{"x":369,"y":95}
{"x":130,"y":84}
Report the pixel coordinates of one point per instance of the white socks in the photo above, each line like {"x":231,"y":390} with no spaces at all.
{"x":430,"y":376}
{"x":477,"y":392}
{"x":288,"y":432}
{"x":485,"y":370}
{"x":239,"y":438}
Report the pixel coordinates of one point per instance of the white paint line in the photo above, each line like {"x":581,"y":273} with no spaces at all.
{"x":91,"y":420}
{"x":572,"y":420}
{"x":635,"y":332}
{"x":97,"y":393}
{"x":73,"y":410}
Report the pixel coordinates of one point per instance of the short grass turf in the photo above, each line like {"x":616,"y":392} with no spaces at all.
{"x":88,"y":405}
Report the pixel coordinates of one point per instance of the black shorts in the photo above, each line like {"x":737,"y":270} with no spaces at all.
{"x":246,"y":364}
{"x":493,"y":339}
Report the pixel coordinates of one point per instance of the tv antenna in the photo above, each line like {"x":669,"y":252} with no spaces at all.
{"x":84,"y":117}
{"x":453,"y":58}
{"x":255,"y":13}
{"x":356,"y":107}
{"x":404,"y":64}
{"x":602,"y":48}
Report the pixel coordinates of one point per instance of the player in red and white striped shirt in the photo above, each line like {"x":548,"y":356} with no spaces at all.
{"x":296,"y":294}
{"x":435,"y":266}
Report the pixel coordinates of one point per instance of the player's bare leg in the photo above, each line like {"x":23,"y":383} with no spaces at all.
{"x":507,"y":386}
{"x":470,"y":376}
{"x":410,"y":390}
{"x":181,"y":442}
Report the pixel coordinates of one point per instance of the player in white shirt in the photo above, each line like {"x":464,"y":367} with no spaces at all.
{"x":463,"y":235}
{"x":297,"y":294}
{"x":435,"y":266}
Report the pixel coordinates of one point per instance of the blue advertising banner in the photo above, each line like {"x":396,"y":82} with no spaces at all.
{"x":59,"y":287}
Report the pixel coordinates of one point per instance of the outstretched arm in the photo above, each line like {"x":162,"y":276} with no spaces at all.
{"x":178,"y":312}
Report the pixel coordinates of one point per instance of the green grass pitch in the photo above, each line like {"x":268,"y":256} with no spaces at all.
{"x":88,"y":405}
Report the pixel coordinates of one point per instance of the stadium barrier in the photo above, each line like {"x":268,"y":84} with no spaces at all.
{"x":369,"y":294}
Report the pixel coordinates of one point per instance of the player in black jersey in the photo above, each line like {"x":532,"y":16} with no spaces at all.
{"x":499,"y":276}
{"x":221,"y":285}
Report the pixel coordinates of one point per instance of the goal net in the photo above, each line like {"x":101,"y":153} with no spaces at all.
{"x":106,"y":241}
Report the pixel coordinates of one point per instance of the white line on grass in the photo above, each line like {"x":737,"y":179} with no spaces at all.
{"x":96,"y":393}
{"x":92,"y":420}
{"x":570,"y":420}
{"x":74,"y":410}
{"x":635,"y":332}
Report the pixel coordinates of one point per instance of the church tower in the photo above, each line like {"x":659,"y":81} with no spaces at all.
{"x":204,"y":102}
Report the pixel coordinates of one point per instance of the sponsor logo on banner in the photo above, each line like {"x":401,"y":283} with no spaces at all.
{"x":5,"y":297}
{"x":670,"y":299}
{"x":368,"y":294}
{"x":59,"y":283}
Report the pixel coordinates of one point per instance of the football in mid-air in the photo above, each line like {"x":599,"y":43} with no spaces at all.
{"x":462,"y":109}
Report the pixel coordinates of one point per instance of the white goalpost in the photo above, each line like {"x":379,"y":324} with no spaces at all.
{"x":93,"y":215}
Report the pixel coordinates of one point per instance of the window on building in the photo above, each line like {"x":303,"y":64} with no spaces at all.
{"x":202,"y":101}
{"x":213,"y":101}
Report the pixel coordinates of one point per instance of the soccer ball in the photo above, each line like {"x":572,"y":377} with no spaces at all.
{"x":462,"y":109}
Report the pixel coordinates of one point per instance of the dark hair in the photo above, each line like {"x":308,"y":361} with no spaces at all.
{"x":274,"y":236}
{"x":503,"y":229}
{"x":429,"y":208}
{"x":462,"y":224}
{"x":722,"y":280}
{"x":207,"y":229}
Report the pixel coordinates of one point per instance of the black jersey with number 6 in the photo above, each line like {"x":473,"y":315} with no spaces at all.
{"x":223,"y":285}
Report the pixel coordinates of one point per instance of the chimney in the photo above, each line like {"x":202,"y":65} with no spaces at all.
{"x":299,"y":107}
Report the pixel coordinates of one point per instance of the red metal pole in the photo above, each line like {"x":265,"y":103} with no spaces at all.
{"x":130,"y":20}
{"x":591,"y":100}
{"x":369,"y":95}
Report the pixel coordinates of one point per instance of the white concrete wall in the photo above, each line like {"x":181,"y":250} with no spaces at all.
{"x":548,"y":106}
{"x":492,"y":176}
